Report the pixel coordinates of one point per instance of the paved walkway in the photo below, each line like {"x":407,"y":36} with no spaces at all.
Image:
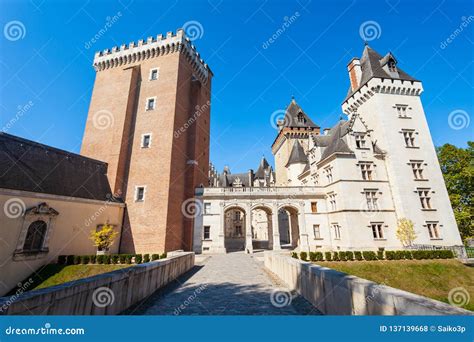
{"x":226,"y":284}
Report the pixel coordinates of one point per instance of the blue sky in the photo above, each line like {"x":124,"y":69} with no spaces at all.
{"x":46,"y":76}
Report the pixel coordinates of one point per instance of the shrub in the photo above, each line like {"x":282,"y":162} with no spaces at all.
{"x":342,"y":256}
{"x":122,"y":258}
{"x":115,"y":259}
{"x":107,"y":259}
{"x":93,"y":259}
{"x":138,"y":258}
{"x":319,"y":256}
{"x":350,"y":255}
{"x":358,"y":255}
{"x":328,"y":256}
{"x":163,"y":255}
{"x":369,"y":255}
{"x":335,"y":256}
{"x":85,"y":259}
{"x":390,"y":255}
{"x":155,"y":257}
{"x":70,"y":260}
{"x":312,"y":256}
{"x":418,"y":255}
{"x":447,"y":254}
{"x":146,"y":258}
{"x":62,"y":260}
{"x":100,"y":259}
{"x":294,"y":255}
{"x":128,"y":259}
{"x":380,"y":254}
{"x":76,"y":260}
{"x":304,"y":256}
{"x":407,"y":255}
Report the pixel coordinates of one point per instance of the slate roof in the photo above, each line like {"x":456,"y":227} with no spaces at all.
{"x":260,"y":174}
{"x":334,"y":141}
{"x":226,"y":179}
{"x":291,"y":117}
{"x":30,"y":166}
{"x":297,"y":154}
{"x":372,"y":65}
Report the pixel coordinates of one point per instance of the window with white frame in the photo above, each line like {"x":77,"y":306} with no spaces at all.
{"x":328,"y":172}
{"x":371,"y":199}
{"x":207,"y":208}
{"x":366,"y":170}
{"x":146,"y":140}
{"x":409,"y":137}
{"x":433,"y":230}
{"x":150,"y":103}
{"x":417,"y":168}
{"x":35,"y":236}
{"x":154,"y":74}
{"x":360,"y":140}
{"x":392,"y":66}
{"x":332,"y":201}
{"x":337,"y":231}
{"x":207,"y":232}
{"x":401,"y":110}
{"x":377,"y":230}
{"x":425,"y":198}
{"x":139,"y":194}
{"x":317,"y":231}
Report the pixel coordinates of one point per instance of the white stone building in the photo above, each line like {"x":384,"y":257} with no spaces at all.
{"x":344,"y":189}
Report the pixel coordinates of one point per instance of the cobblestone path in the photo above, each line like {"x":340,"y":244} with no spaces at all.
{"x":225,"y":284}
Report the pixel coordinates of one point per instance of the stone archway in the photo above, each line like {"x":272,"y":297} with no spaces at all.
{"x":234,"y":228}
{"x":262,"y":230}
{"x":288,"y":226}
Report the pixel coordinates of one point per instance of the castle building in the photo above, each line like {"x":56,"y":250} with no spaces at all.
{"x":149,"y":119}
{"x":347,"y":188}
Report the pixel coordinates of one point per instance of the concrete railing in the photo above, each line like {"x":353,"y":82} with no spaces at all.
{"x":336,"y":293}
{"x":103,"y":294}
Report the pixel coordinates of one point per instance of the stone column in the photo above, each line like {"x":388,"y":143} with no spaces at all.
{"x":220,"y":246}
{"x":304,"y":243}
{"x":275,"y":228}
{"x":248,"y":229}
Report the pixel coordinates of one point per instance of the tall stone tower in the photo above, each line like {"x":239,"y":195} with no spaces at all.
{"x":149,"y":119}
{"x":388,"y":100}
{"x":293,"y":134}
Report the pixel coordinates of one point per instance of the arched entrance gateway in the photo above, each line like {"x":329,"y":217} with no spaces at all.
{"x":288,"y":226}
{"x":234,"y":228}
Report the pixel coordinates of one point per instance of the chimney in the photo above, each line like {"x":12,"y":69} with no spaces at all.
{"x":355,"y":73}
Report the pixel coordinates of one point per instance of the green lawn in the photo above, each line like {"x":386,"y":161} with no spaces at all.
{"x":54,"y":274}
{"x":430,"y":278}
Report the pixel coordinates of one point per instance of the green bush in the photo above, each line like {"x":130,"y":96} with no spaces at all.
{"x":114,"y":259}
{"x":390,"y":255}
{"x":155,"y":257}
{"x":447,"y":254}
{"x":107,"y":259}
{"x":85,"y":259}
{"x":62,"y":260}
{"x":312,"y":256}
{"x":92,"y":259}
{"x":138,"y":258}
{"x":319,"y":256}
{"x":418,"y":255}
{"x":358,"y":255}
{"x":128,"y":259}
{"x":407,"y":255}
{"x":342,"y":256}
{"x":335,"y":256}
{"x":328,"y":256}
{"x":122,"y":258}
{"x":146,"y":258}
{"x":76,"y":260}
{"x":294,"y":255}
{"x":350,"y":255}
{"x":100,"y":259}
{"x":369,"y":255}
{"x":304,"y":256}
{"x":163,"y":255}
{"x":70,"y":260}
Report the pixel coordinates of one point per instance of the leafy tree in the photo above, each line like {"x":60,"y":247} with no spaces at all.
{"x":104,"y":238}
{"x":406,"y":232}
{"x":457,"y":166}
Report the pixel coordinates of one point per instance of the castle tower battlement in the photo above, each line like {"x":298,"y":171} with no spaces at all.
{"x":151,"y":48}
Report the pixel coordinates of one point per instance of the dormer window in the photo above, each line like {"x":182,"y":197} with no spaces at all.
{"x":392,"y":66}
{"x":300,"y":118}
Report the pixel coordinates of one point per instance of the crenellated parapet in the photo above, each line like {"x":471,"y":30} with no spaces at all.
{"x":151,"y":48}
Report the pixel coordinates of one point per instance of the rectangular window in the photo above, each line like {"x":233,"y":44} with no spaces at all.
{"x":328,"y":172}
{"x":401,"y":110}
{"x":146,"y":140}
{"x":314,"y":207}
{"x":417,"y":168}
{"x":237,"y":215}
{"x":207,"y":208}
{"x":366,"y":170}
{"x":154,"y":74}
{"x":425,"y":198}
{"x":332,"y":202}
{"x":433,"y":230}
{"x":207,"y":232}
{"x":317,"y":231}
{"x":150,"y":103}
{"x":139,"y":194}
{"x":377,"y":230}
{"x":337,"y":231}
{"x":371,"y":199}
{"x":238,"y":230}
{"x":360,"y":140}
{"x":409,"y":137}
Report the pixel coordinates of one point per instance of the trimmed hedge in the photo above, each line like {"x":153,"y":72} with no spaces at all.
{"x":104,"y":259}
{"x":304,"y":256}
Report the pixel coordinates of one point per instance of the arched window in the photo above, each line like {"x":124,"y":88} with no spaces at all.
{"x":35,"y":236}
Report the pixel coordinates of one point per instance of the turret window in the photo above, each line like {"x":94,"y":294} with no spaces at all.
{"x":409,"y":137}
{"x":332,"y":202}
{"x":360,"y":140}
{"x":328,"y":172}
{"x":371,"y":199}
{"x":154,"y":74}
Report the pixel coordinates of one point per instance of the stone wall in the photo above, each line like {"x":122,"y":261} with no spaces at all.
{"x":336,"y":293}
{"x":104,"y":294}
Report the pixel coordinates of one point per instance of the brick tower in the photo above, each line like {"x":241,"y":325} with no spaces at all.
{"x":149,"y":119}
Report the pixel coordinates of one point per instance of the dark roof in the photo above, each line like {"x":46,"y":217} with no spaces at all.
{"x":262,"y":168}
{"x":226,"y":179}
{"x":292,"y":114}
{"x":297,"y":155}
{"x":372,"y":65}
{"x":334,"y":141}
{"x":30,"y":166}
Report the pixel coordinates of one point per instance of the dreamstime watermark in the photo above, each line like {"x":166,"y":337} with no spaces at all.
{"x":111,"y":198}
{"x":287,"y":22}
{"x":14,"y":30}
{"x":103,"y":119}
{"x":192,"y":297}
{"x":279,"y":118}
{"x":281,"y":297}
{"x":373,"y":292}
{"x":459,"y":296}
{"x":191,"y":208}
{"x":109,"y":22}
{"x":46,"y":330}
{"x":193,"y":30}
{"x":370,"y":30}
{"x":21,"y":288}
{"x":22,"y":110}
{"x":14,"y":208}
{"x":458,"y":119}
{"x":464,"y":24}
{"x":199,"y":110}
{"x":103,"y":296}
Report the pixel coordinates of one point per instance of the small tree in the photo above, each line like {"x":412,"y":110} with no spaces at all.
{"x":406,"y":232}
{"x":104,"y":238}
